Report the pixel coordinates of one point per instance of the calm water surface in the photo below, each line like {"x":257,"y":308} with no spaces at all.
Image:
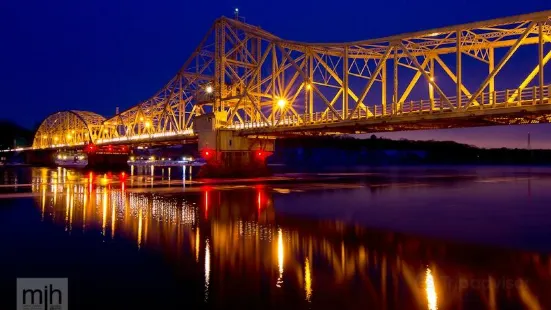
{"x":394,"y":238}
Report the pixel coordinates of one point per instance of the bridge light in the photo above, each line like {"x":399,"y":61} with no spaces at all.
{"x":91,"y":147}
{"x":73,"y":131}
{"x":69,"y":136}
{"x":209,"y":89}
{"x":281,"y":103}
{"x":141,"y":119}
{"x":44,"y":137}
{"x":432,"y":78}
{"x":56,"y":138}
{"x":308,"y":86}
{"x":147,"y":124}
{"x":207,"y":153}
{"x":106,"y":131}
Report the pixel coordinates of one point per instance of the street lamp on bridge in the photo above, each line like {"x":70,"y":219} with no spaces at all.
{"x":281,"y":103}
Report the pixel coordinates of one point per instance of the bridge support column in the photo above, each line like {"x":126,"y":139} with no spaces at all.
{"x":107,"y":157}
{"x":229,"y":154}
{"x":107,"y":161}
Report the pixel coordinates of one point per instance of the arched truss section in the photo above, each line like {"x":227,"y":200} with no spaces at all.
{"x":69,"y":128}
{"x":252,"y":78}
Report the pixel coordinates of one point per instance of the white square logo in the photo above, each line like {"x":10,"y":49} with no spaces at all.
{"x":42,"y":294}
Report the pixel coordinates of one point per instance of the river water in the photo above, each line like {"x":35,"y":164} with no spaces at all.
{"x":386,"y":238}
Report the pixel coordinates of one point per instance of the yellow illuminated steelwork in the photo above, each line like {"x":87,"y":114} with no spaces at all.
{"x":430,"y":289}
{"x":79,"y":127}
{"x":310,"y":85}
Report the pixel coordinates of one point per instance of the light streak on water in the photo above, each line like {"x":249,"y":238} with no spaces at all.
{"x":430,"y":289}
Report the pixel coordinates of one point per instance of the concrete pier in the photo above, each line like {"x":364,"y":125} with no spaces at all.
{"x":102,"y":161}
{"x":229,"y":154}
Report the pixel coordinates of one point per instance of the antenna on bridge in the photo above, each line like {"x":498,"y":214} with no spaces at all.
{"x":236,"y":15}
{"x":117,"y":111}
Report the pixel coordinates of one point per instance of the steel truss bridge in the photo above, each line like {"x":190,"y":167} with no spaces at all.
{"x":259,"y":84}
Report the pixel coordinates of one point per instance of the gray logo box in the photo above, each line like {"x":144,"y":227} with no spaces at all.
{"x":42,"y":294}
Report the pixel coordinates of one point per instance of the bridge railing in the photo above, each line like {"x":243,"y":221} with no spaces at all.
{"x":509,"y":98}
{"x":148,"y":136}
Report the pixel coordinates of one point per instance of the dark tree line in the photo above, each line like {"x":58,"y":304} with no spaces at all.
{"x":12,"y":135}
{"x":345,"y":149}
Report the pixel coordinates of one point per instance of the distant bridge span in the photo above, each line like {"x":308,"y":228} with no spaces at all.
{"x":251,"y":82}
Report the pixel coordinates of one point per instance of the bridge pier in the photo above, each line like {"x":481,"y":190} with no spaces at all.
{"x":107,"y":161}
{"x":228,"y":154}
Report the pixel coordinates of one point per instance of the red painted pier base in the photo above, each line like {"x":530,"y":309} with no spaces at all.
{"x":101,"y":161}
{"x":234,"y":164}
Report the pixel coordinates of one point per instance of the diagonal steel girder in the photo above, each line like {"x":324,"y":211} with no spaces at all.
{"x":426,"y":76}
{"x":502,"y":63}
{"x":305,"y":79}
{"x":371,"y":81}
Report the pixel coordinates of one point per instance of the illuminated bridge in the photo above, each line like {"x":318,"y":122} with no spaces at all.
{"x":246,"y":85}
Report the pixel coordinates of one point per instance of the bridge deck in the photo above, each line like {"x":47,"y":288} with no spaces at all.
{"x":526,"y":108}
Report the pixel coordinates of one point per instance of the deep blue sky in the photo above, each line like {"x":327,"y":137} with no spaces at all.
{"x":98,"y":54}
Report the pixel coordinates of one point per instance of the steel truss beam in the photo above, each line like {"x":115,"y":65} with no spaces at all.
{"x":256,"y":79}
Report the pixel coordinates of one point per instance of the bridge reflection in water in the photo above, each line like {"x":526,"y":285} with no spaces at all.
{"x":248,"y":253}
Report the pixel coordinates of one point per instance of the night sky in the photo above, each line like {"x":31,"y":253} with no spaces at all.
{"x":99,"y":54}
